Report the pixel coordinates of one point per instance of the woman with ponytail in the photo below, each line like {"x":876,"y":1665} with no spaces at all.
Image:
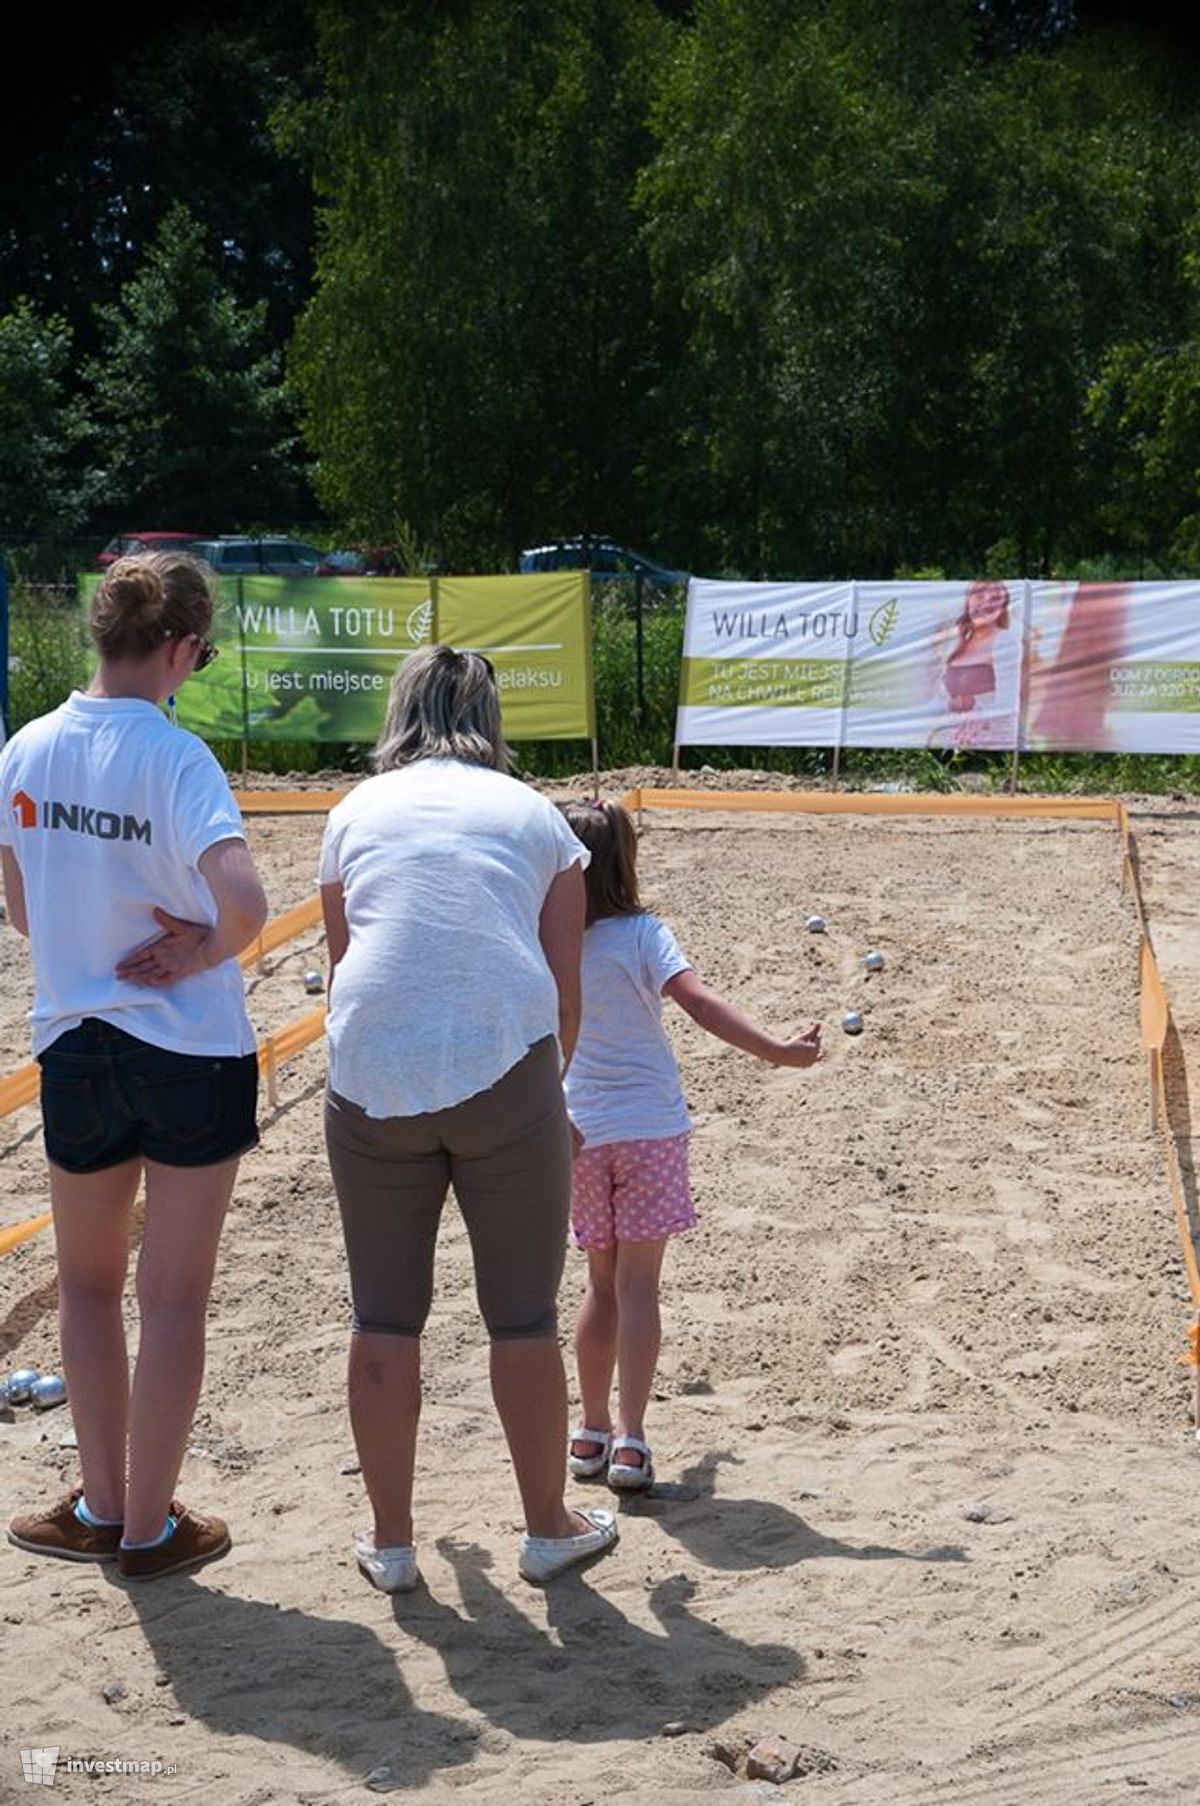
{"x":125,"y":864}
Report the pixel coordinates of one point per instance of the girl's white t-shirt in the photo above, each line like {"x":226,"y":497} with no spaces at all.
{"x":107,"y":809}
{"x":623,"y":1083}
{"x":444,"y":868}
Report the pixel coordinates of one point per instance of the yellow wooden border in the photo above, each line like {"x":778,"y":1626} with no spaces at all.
{"x":282,"y":929}
{"x":843,"y":802}
{"x":288,"y":802}
{"x":21,"y":1232}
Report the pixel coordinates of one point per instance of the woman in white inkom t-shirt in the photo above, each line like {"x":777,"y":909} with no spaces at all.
{"x":125,"y":864}
{"x":454,"y":906}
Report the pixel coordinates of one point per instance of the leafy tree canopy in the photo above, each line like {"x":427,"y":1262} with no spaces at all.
{"x":188,"y":400}
{"x":481,"y":354}
{"x":43,"y":493}
{"x":125,"y":111}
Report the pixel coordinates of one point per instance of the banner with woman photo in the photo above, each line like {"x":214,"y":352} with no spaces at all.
{"x":852,"y":664}
{"x":986,"y":664}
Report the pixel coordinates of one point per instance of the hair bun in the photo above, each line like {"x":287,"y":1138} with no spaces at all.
{"x":137,"y":593}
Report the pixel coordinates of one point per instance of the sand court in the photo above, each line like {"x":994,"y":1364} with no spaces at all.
{"x":927,"y":1485}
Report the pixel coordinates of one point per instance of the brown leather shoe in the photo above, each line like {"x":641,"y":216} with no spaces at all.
{"x":59,"y":1532}
{"x":193,"y":1541}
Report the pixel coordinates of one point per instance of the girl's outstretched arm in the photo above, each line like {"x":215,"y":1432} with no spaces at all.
{"x":724,"y":1020}
{"x":337,"y":929}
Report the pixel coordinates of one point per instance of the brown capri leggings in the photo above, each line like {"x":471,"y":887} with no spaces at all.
{"x":507,"y":1153}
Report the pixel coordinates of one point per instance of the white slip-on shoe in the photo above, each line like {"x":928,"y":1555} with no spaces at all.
{"x":544,"y":1557}
{"x":392,"y":1570}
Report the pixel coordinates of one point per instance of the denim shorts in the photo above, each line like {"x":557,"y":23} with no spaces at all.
{"x":108,"y":1097}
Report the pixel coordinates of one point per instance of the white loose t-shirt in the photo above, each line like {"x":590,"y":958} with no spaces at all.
{"x":107,"y":809}
{"x":444,"y":866}
{"x":623,"y":1083}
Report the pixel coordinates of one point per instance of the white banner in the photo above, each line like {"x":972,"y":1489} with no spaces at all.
{"x":764,"y":664}
{"x":1114,"y":667}
{"x":852,"y":664}
{"x":936,"y":664}
{"x":985,"y":664}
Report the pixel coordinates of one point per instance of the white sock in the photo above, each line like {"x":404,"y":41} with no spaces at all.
{"x":167,"y":1530}
{"x":87,"y":1516}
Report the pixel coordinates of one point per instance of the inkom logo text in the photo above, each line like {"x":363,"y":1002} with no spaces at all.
{"x":77,"y":818}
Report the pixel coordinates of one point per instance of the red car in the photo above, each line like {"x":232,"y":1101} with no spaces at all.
{"x":126,"y":543}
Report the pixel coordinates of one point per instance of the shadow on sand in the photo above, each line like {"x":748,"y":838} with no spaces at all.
{"x":734,"y":1534}
{"x":592,"y":1675}
{"x":335,"y":1689}
{"x":325,"y":1686}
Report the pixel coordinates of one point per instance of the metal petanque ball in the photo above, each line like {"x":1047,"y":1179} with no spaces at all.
{"x":874,"y":961}
{"x":852,"y":1022}
{"x":47,"y":1392}
{"x":815,"y":924}
{"x":314,"y":983}
{"x":21,"y":1384}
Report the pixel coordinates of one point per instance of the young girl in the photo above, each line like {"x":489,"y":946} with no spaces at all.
{"x":630,"y":1189}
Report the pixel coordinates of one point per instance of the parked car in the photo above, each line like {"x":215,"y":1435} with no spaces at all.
{"x":597,"y":553}
{"x":247,"y":556}
{"x":362,"y":561}
{"x":126,"y":543}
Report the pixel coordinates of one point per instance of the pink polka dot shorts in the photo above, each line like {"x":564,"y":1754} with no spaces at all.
{"x":631,"y":1191}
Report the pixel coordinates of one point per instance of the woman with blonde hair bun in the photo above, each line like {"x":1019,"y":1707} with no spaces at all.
{"x":125,"y":864}
{"x":454,"y":908}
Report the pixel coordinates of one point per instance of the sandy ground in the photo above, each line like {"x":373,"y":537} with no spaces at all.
{"x":928,"y":1489}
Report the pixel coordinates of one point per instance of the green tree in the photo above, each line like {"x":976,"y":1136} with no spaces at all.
{"x":791,"y":176}
{"x":1144,"y":401}
{"x":193,"y":422}
{"x":129,"y":112}
{"x":480,"y":356}
{"x":892,"y":253}
{"x":1148,"y":396}
{"x":43,"y":487}
{"x":897,"y":252}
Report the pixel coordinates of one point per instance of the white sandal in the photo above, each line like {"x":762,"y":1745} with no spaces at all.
{"x":622,"y":1475}
{"x":586,"y":1467}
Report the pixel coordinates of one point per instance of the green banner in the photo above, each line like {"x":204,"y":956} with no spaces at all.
{"x":536,"y":632}
{"x":306,"y":658}
{"x":313,"y":658}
